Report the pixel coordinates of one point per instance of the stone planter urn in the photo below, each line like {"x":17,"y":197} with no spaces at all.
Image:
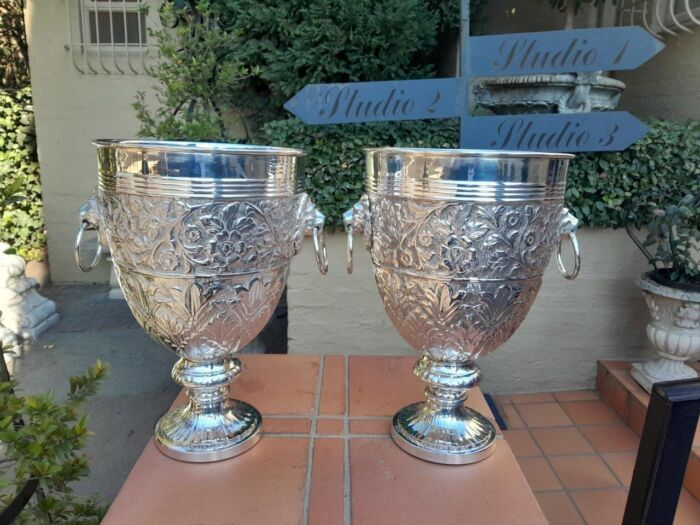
{"x":674,"y":331}
{"x":549,"y":93}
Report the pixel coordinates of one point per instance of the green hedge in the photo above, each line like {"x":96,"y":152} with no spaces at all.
{"x":22,"y":224}
{"x":599,"y":185}
{"x":335,"y":163}
{"x":661,"y":167}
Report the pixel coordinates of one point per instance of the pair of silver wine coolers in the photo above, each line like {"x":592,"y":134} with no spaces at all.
{"x":202,"y":235}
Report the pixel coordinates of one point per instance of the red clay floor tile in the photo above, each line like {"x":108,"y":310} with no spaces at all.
{"x":611,"y":438}
{"x":590,"y":412}
{"x":622,"y":464}
{"x":583,"y":472}
{"x":561,"y":441}
{"x":559,"y":508}
{"x":286,"y":425}
{"x":390,"y":486}
{"x":544,"y":415}
{"x":539,"y":474}
{"x":276,"y":465}
{"x":329,"y":426}
{"x":521,"y":443}
{"x":511,"y":417}
{"x":326,"y":500}
{"x":278,"y":384}
{"x":601,"y":507}
{"x":381,"y":385}
{"x":333,"y":386}
{"x":370,"y":426}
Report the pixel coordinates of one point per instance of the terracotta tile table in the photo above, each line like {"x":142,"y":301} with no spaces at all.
{"x":326,"y":459}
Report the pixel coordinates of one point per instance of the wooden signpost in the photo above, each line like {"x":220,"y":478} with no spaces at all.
{"x":580,"y":50}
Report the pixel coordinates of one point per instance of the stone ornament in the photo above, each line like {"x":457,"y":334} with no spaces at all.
{"x":674,"y":332}
{"x":24,"y":313}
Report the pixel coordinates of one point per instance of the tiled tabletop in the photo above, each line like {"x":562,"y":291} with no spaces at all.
{"x":327,"y":459}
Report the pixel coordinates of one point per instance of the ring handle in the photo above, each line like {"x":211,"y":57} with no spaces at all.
{"x":568,"y":224}
{"x":577,"y":257}
{"x":314,"y":221}
{"x":349,"y":221}
{"x":319,"y":239}
{"x":356,"y":219}
{"x":86,"y":226}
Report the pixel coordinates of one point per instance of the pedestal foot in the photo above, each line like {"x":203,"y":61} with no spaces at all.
{"x":659,"y":370}
{"x":186,"y":434}
{"x":210,"y":427}
{"x":450,"y":437}
{"x":442,"y":429}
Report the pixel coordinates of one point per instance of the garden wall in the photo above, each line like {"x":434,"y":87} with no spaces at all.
{"x":572,"y":324}
{"x":70,"y":110}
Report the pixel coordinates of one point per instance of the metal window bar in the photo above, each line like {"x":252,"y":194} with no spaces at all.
{"x":659,"y":17}
{"x":102,"y":44}
{"x":663,"y":453}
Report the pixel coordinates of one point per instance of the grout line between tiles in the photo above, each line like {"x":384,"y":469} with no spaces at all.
{"x":312,"y":439}
{"x":552,"y":469}
{"x":347,"y":516}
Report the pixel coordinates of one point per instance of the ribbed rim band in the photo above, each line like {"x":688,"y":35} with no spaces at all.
{"x":464,"y":190}
{"x":135,"y":184}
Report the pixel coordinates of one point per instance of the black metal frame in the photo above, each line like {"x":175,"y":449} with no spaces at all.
{"x":663,"y":453}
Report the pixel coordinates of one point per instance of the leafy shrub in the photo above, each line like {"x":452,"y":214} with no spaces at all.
{"x":14,"y":59}
{"x":42,"y":443}
{"x":22,"y":223}
{"x":674,"y":237}
{"x":656,"y":169}
{"x":335,"y":164}
{"x":665,"y":162}
{"x":198,"y":75}
{"x":298,"y":42}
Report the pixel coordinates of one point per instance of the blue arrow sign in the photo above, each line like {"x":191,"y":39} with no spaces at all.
{"x":604,"y":131}
{"x":515,"y":54}
{"x":375,"y":101}
{"x":579,"y":50}
{"x":604,"y":49}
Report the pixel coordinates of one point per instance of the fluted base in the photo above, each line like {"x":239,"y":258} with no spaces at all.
{"x":455,"y":436}
{"x":660,"y":370}
{"x":210,"y":427}
{"x":442,"y":429}
{"x":189,"y":435}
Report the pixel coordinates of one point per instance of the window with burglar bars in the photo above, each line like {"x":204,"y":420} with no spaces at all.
{"x":661,"y":17}
{"x":110,"y":36}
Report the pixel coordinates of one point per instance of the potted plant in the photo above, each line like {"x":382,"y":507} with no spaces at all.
{"x":672,"y":287}
{"x":551,"y":93}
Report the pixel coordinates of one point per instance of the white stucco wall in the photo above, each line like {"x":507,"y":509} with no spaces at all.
{"x":572,"y":324}
{"x":70,"y":110}
{"x":668,"y":86}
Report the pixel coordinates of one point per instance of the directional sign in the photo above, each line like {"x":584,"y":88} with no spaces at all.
{"x":604,"y":131}
{"x":580,"y":50}
{"x":374,"y":101}
{"x":605,"y":49}
{"x":515,"y":54}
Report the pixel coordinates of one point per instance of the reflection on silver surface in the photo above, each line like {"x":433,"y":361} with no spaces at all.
{"x":202,"y":236}
{"x":459,"y":240}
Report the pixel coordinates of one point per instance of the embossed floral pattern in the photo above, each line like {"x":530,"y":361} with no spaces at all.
{"x":462,"y":239}
{"x":172,"y":236}
{"x":458,"y":278}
